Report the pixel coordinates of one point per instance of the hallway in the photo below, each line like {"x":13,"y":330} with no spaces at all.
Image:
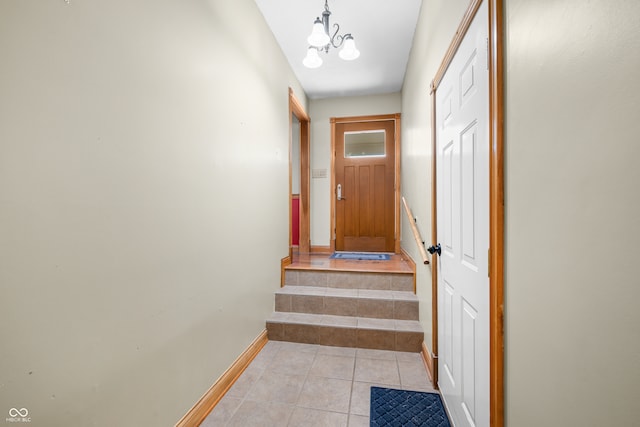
{"x":145,"y":148}
{"x":291,"y":384}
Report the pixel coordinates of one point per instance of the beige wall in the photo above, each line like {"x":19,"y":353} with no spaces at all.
{"x":320,"y":111}
{"x":572,"y":213}
{"x":436,"y":27}
{"x":572,"y":354}
{"x":143,"y":156}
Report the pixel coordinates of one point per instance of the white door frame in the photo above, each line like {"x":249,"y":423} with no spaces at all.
{"x":496,"y":200}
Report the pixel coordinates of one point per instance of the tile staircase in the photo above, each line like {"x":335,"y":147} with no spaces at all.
{"x":347,"y":309}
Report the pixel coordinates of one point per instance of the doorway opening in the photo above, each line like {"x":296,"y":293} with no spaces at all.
{"x":299,"y":217}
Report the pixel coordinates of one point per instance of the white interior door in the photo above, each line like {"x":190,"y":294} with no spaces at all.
{"x":462,"y":165}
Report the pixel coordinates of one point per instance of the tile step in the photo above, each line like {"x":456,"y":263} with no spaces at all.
{"x":350,"y":280}
{"x":365,"y":303}
{"x":346,"y":331}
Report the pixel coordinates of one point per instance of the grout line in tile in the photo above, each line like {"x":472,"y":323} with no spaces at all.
{"x":395,"y":354}
{"x":306,"y":377}
{"x":353,"y":378}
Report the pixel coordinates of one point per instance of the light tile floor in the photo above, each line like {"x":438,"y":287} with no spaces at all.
{"x":291,"y":384}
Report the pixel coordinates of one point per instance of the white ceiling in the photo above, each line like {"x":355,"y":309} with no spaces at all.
{"x":383,"y":32}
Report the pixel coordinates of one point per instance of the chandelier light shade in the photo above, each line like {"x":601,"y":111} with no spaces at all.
{"x":312,"y":60}
{"x":349,"y":52}
{"x":320,"y":39}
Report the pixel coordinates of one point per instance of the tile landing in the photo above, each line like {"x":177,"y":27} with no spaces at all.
{"x":293,"y":384}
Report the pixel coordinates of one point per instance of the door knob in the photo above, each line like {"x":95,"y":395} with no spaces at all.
{"x":434,"y":249}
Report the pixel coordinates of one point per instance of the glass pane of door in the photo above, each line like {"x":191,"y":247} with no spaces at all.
{"x":368,"y":143}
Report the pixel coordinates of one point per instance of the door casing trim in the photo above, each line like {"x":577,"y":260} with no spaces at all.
{"x":296,"y":108}
{"x":396,"y":188}
{"x":496,"y":199}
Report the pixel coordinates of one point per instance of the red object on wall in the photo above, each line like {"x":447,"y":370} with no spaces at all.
{"x":295,"y":221}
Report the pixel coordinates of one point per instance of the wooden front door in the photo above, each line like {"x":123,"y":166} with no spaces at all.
{"x":365,"y":180}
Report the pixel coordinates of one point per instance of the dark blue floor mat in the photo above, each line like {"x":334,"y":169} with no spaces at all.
{"x":360,"y":256}
{"x":401,"y":408}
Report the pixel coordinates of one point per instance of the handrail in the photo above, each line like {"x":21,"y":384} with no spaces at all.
{"x":416,"y":233}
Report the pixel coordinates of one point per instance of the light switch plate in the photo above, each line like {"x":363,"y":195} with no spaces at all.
{"x":318,"y":173}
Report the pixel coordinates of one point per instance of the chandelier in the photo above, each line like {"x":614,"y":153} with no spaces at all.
{"x":320,"y":39}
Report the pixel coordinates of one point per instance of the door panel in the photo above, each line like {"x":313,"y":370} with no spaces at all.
{"x":468,"y":194}
{"x":363,"y":195}
{"x":447,"y":337}
{"x":468,"y":352}
{"x":365,"y":170}
{"x":349,"y":181}
{"x":462,"y":170}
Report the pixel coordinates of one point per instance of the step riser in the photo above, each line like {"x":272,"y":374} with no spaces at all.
{"x":341,"y":306}
{"x":347,"y":280}
{"x":348,"y":309}
{"x":346,"y":337}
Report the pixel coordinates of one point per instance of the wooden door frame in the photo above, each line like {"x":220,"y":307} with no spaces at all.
{"x":496,"y":200}
{"x":332,"y":191}
{"x":296,"y":109}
